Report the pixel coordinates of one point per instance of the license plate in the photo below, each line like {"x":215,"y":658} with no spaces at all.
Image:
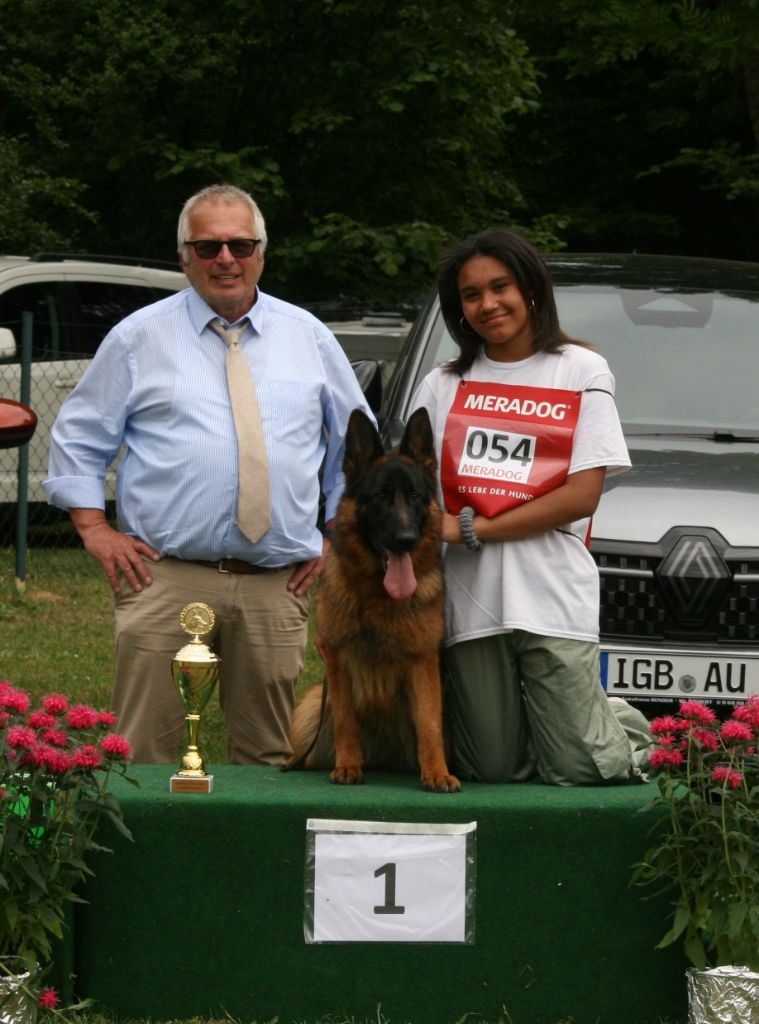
{"x":675,"y":676}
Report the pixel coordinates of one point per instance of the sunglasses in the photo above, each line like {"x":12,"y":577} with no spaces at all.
{"x":209,"y":248}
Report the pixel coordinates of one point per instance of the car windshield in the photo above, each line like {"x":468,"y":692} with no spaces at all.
{"x":684,"y":362}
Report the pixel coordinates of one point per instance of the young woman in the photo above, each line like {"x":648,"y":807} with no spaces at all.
{"x":526,"y":430}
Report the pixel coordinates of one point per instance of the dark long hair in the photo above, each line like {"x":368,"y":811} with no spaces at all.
{"x":532,"y":278}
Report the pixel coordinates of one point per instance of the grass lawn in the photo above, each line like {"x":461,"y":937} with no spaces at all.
{"x":57,"y":636}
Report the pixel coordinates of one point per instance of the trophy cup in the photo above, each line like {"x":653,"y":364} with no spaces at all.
{"x":195,"y":669}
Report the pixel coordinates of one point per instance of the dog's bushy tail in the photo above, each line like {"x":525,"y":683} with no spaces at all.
{"x":311,"y":732}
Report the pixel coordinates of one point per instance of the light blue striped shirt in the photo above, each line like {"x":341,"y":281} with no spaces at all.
{"x":158,"y":385}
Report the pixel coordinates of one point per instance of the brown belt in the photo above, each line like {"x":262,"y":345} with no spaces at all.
{"x":236,"y":566}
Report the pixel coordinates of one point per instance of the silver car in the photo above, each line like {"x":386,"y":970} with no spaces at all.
{"x":676,"y":539}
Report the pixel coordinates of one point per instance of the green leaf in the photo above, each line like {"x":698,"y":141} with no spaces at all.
{"x":694,"y":950}
{"x":680,"y":923}
{"x":736,"y":918}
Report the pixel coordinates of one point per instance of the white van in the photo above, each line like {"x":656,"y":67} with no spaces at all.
{"x":73,"y":303}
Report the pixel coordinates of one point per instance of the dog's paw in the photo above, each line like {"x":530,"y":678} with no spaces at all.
{"x":348,"y":775}
{"x":441,"y":783}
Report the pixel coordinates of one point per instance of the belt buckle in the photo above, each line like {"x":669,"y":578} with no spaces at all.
{"x":219,"y":567}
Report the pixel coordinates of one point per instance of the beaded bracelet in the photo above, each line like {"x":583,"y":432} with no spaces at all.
{"x":466,"y":525}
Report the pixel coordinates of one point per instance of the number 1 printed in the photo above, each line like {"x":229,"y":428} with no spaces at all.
{"x":389,"y":906}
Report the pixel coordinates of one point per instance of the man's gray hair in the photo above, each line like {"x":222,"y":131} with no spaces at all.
{"x":218,"y":194}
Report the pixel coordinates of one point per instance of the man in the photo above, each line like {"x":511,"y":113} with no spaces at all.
{"x":159,"y":385}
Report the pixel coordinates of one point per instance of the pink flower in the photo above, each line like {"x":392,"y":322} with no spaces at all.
{"x":41,"y":720}
{"x":58,"y":762}
{"x":665,"y":758}
{"x":107,"y":719}
{"x":748,"y":712}
{"x":21,"y":736}
{"x":697,"y":712}
{"x":86,"y":756}
{"x":48,"y":999}
{"x":4,"y":718}
{"x":55,"y":737}
{"x":666,"y":724}
{"x":14,"y":700}
{"x":82,"y":716}
{"x":738,"y":731}
{"x":55,"y":703}
{"x":53,"y":760}
{"x":47,"y":758}
{"x":729,"y":775}
{"x":38,"y":755}
{"x":706,"y":737}
{"x":116,"y":746}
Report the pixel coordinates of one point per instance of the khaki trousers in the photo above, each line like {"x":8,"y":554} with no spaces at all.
{"x":518,"y":702}
{"x":260,"y":635}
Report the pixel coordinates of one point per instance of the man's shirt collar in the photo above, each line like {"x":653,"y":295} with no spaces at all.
{"x":201,"y":313}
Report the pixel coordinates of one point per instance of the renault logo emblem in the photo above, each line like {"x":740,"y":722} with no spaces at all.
{"x":693,"y":578}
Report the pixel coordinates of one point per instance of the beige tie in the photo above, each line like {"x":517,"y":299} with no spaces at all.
{"x":253,"y":498}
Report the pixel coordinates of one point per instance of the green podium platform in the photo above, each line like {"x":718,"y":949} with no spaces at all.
{"x":202,"y":915}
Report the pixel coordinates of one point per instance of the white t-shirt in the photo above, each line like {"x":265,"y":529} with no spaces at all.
{"x":547,"y":584}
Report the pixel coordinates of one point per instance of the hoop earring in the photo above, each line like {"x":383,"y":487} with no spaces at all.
{"x":465,"y":327}
{"x":532,"y":306}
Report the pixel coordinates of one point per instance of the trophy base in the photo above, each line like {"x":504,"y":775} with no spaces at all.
{"x":189,"y":784}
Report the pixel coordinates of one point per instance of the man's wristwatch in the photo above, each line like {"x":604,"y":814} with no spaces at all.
{"x":466,"y":525}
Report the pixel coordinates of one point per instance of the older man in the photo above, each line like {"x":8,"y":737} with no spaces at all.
{"x":196,"y":521}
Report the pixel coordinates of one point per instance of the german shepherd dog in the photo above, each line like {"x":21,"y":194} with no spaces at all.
{"x":380,"y":618}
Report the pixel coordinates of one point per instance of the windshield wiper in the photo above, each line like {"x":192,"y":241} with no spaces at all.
{"x":706,"y":433}
{"x":729,"y":437}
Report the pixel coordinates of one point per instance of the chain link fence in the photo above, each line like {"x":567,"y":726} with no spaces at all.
{"x":26,"y":520}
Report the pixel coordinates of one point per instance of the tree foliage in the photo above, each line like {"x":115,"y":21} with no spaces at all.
{"x":367,"y":129}
{"x":648,"y":129}
{"x":371,"y":131}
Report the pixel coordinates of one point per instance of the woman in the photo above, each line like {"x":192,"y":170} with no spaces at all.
{"x":526,"y":430}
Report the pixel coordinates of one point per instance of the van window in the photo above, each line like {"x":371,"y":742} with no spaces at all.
{"x":71,"y":318}
{"x":43,"y":300}
{"x":100,"y":305}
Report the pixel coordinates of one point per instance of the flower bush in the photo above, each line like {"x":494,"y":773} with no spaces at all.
{"x":707,"y":845}
{"x":56,"y":761}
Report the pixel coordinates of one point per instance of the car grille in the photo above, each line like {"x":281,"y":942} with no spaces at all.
{"x":691,"y":587}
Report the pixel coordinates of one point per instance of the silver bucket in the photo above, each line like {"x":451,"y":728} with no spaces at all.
{"x":723,"y":995}
{"x":17,"y":1002}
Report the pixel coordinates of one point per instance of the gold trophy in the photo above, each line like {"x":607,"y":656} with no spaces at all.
{"x":195,"y":669}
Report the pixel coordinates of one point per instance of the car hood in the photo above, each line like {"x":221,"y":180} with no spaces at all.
{"x":682,"y":482}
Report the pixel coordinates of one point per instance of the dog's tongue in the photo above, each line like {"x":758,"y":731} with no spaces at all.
{"x":400,"y":582}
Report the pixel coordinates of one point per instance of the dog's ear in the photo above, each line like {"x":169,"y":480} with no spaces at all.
{"x":417,"y":442}
{"x":362,"y":445}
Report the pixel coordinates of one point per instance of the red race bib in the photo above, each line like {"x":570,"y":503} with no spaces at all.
{"x":504,"y":445}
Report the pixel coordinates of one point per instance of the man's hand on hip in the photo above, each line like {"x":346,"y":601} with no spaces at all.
{"x":116,"y":552}
{"x":307,"y":573}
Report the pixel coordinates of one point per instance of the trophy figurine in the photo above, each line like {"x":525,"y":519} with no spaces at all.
{"x":195,"y":669}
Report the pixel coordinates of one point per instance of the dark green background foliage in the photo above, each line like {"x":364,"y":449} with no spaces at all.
{"x":371,"y":131}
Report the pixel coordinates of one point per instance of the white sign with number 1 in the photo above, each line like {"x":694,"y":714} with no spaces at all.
{"x":389,"y":882}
